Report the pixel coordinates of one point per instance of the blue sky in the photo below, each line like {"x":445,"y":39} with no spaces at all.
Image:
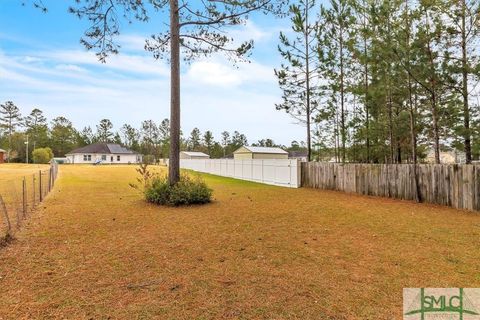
{"x":42,"y":64}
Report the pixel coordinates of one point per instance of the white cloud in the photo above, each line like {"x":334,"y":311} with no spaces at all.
{"x":29,"y":59}
{"x":250,"y":31}
{"x":141,"y":64}
{"x":212,"y":73}
{"x":219,"y":72}
{"x":134,"y":87}
{"x":132,"y":42}
{"x":70,"y":67}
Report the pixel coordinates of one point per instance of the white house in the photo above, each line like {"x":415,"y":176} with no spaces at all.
{"x":246,"y":152}
{"x":108,"y":153}
{"x":193,"y":155}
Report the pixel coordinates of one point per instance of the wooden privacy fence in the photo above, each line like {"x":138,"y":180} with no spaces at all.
{"x":457,"y":186}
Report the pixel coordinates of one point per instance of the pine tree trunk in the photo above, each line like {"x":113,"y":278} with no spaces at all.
{"x":433,"y":98}
{"x":307,"y":83}
{"x":436,"y":136}
{"x":412,"y":110}
{"x":342,"y":102}
{"x":390,"y":121}
{"x":413,"y":140}
{"x":337,"y":139}
{"x":466,"y":110}
{"x":398,"y":151}
{"x":174,"y":162}
{"x":367,"y":111}
{"x":9,"y":141}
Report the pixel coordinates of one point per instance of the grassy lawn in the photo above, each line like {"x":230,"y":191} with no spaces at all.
{"x":15,"y":171}
{"x":11,"y":179}
{"x":96,"y":250}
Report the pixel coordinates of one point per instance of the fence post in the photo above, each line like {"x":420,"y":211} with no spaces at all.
{"x":3,"y":208}
{"x":40,"y":185}
{"x":24,"y":197}
{"x":53,"y":174}
{"x":49,"y":179}
{"x":33,"y":190}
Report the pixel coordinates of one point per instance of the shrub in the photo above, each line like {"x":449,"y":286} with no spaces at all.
{"x":42,"y":155}
{"x":187,"y":191}
{"x":156,"y":189}
{"x":145,"y":179}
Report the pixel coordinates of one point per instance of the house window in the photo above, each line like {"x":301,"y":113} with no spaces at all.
{"x":118,"y":158}
{"x":104,"y":157}
{"x":87,"y":157}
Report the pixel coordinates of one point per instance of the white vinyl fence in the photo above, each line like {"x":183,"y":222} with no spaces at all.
{"x":279,"y":172}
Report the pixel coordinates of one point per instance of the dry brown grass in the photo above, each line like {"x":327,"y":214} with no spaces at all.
{"x":96,"y":250}
{"x":11,"y":182}
{"x":16,"y":171}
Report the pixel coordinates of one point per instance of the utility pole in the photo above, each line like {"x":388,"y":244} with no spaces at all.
{"x":26,"y":143}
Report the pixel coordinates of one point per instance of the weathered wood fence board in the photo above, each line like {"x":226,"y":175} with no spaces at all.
{"x":454,"y":185}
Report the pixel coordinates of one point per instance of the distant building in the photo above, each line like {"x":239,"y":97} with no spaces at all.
{"x":447,"y":157}
{"x":193,"y":155}
{"x":109,"y":153}
{"x":245,"y":153}
{"x":3,"y":155}
{"x":301,"y":155}
{"x":61,"y":160}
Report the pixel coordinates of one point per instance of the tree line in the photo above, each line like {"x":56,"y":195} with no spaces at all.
{"x":150,"y":139}
{"x":195,"y":30}
{"x":384,"y":81}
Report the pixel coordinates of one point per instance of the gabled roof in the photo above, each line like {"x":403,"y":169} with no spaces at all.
{"x":264,"y":150}
{"x":195,"y":154}
{"x":104,"y":148}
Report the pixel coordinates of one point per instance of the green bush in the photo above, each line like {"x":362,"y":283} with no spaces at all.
{"x":187,"y":191}
{"x":42,"y":155}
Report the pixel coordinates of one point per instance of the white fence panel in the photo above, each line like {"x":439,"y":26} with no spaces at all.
{"x":280,"y":172}
{"x":230,"y":168}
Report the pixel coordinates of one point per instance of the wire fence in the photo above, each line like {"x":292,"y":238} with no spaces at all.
{"x":19,"y":197}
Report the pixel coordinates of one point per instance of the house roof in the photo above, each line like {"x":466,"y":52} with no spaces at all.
{"x":195,"y":154}
{"x":104,"y":148}
{"x":264,"y":150}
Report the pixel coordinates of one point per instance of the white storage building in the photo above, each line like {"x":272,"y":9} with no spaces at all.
{"x":193,"y":155}
{"x":246,"y":152}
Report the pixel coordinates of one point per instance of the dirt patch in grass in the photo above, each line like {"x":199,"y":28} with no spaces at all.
{"x":96,"y":250}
